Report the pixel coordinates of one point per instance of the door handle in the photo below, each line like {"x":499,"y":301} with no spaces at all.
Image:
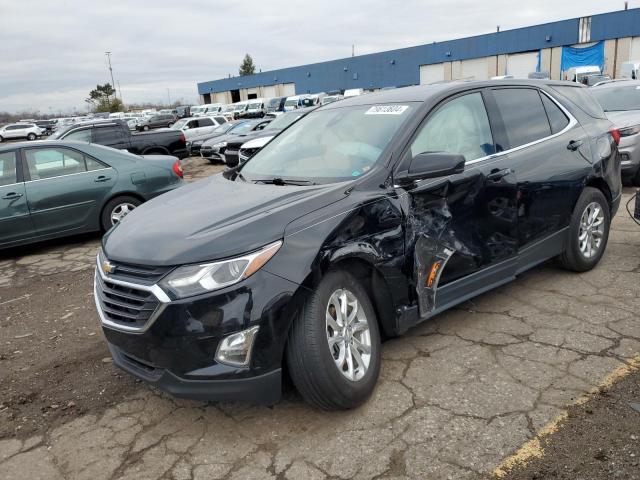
{"x":496,"y":175}
{"x":574,"y":145}
{"x":102,"y":178}
{"x":11,"y":196}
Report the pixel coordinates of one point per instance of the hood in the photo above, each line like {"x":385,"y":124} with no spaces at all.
{"x":205,"y":136}
{"x":229,"y":137}
{"x":239,"y":140}
{"x":623,"y":119}
{"x":211,"y":219}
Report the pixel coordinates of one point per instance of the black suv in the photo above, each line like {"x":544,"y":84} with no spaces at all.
{"x":157,"y":121}
{"x":365,"y":217}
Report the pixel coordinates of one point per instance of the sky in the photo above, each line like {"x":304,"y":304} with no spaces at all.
{"x":53,"y":53}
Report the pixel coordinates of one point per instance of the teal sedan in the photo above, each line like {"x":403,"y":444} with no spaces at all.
{"x":52,"y":189}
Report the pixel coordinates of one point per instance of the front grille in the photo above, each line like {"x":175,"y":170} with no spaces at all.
{"x":127,"y":306}
{"x":138,"y":273}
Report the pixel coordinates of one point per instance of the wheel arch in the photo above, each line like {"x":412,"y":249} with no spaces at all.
{"x":155,"y":150}
{"x":116,"y":195}
{"x":600,"y":184}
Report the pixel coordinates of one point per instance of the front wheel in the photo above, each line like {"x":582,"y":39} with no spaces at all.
{"x":333,"y":352}
{"x":116,"y":209}
{"x":31,"y":137}
{"x":145,"y":128}
{"x":588,"y":232}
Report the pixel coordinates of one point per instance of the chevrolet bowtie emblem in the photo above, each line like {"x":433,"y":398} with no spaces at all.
{"x":108,"y":267}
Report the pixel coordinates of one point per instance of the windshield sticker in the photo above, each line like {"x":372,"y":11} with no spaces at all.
{"x":386,"y":110}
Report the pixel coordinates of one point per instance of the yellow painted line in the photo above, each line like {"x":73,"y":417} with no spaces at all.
{"x":533,"y":448}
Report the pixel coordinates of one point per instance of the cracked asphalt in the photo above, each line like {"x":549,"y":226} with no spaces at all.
{"x":457,"y":394}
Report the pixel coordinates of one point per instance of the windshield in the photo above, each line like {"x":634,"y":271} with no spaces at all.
{"x":329,"y":145}
{"x":616,"y":99}
{"x":291,"y":102}
{"x":242,"y":127}
{"x":197,"y":109}
{"x":179,"y":124}
{"x":223,"y":128}
{"x":240,"y":107}
{"x":254,"y":106}
{"x":283,"y":121}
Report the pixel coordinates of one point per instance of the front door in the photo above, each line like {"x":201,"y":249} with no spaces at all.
{"x":15,"y":221}
{"x":461,"y":227}
{"x":66,"y":189}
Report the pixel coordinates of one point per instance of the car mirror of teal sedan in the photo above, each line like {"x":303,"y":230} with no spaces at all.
{"x":52,"y":189}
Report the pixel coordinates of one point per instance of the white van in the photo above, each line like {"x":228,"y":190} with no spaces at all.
{"x":630,"y":70}
{"x":294,"y":102}
{"x":210,"y":108}
{"x":353,"y":92}
{"x":197,"y":110}
{"x":580,"y":74}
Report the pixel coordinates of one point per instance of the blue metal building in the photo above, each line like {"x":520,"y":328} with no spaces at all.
{"x":410,"y":66}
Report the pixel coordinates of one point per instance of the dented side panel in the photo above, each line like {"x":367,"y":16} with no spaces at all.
{"x":460,"y":225}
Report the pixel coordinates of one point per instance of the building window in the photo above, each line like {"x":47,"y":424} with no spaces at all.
{"x":584,"y":30}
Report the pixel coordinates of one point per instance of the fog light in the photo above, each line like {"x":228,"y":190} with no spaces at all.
{"x":235,"y":349}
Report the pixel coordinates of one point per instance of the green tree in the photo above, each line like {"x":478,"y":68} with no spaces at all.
{"x":247,"y":67}
{"x":103,"y":99}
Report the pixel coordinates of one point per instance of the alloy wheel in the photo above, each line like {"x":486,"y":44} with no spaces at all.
{"x":591,"y":230}
{"x":120,"y":211}
{"x":348,"y":334}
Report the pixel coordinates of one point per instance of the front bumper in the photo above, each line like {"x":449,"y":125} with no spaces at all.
{"x":213,"y":154}
{"x":173,"y":347}
{"x":262,"y":389}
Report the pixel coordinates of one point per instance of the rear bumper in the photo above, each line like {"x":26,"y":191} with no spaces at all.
{"x":263,"y":389}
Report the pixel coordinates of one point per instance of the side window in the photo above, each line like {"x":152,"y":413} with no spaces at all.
{"x":221,"y":120}
{"x":107,"y":135}
{"x":557,"y":118}
{"x":80,"y":135}
{"x":93,"y":164}
{"x":53,"y":162}
{"x":8,"y":168}
{"x":459,"y":126}
{"x":205,"y":122}
{"x":524,"y":117}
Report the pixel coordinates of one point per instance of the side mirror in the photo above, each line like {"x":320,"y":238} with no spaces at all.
{"x":432,"y":165}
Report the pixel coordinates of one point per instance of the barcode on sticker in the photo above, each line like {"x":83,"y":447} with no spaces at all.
{"x":386,"y":110}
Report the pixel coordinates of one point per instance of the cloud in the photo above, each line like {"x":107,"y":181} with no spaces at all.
{"x":53,"y":53}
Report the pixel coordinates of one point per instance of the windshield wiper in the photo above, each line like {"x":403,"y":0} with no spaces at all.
{"x":281,"y":181}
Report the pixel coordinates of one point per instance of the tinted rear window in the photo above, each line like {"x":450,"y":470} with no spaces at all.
{"x":524,"y":117}
{"x":582,"y":98}
{"x":557,"y":118}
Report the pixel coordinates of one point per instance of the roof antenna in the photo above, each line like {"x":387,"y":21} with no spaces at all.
{"x":626,"y":5}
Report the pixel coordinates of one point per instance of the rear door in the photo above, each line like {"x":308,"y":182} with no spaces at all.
{"x":65,"y":188}
{"x":111,"y":136}
{"x":548,"y":151}
{"x":460,"y":225}
{"x":15,"y":221}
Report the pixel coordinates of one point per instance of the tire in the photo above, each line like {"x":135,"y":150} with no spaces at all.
{"x":577,"y":255}
{"x":110,"y":209}
{"x":312,"y":363}
{"x":635,"y":181}
{"x":145,"y":128}
{"x":31,"y":137}
{"x":1,"y":139}
{"x":169,"y":125}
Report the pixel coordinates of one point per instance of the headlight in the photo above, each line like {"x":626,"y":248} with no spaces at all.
{"x":627,"y":132}
{"x":220,"y":145}
{"x":196,"y":279}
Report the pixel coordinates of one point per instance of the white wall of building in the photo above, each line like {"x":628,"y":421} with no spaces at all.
{"x":431,"y":73}
{"x":477,"y":68}
{"x":520,"y":65}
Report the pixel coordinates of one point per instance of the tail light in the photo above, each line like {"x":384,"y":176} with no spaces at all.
{"x":615,"y":133}
{"x":183,"y":139}
{"x":177,"y":168}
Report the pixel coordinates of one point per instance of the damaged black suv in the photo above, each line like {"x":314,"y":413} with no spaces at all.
{"x":362,"y":219}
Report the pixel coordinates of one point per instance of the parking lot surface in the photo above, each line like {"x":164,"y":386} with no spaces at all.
{"x":457,"y":395}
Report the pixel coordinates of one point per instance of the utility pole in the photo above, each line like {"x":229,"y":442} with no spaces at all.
{"x":113,"y":85}
{"x":353,"y":50}
{"x":120,"y":89}
{"x":169,"y":96}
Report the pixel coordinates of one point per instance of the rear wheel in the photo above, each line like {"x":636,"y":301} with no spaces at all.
{"x":145,"y":128}
{"x":588,"y":232}
{"x":333,"y":352}
{"x":116,"y":209}
{"x":31,"y":137}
